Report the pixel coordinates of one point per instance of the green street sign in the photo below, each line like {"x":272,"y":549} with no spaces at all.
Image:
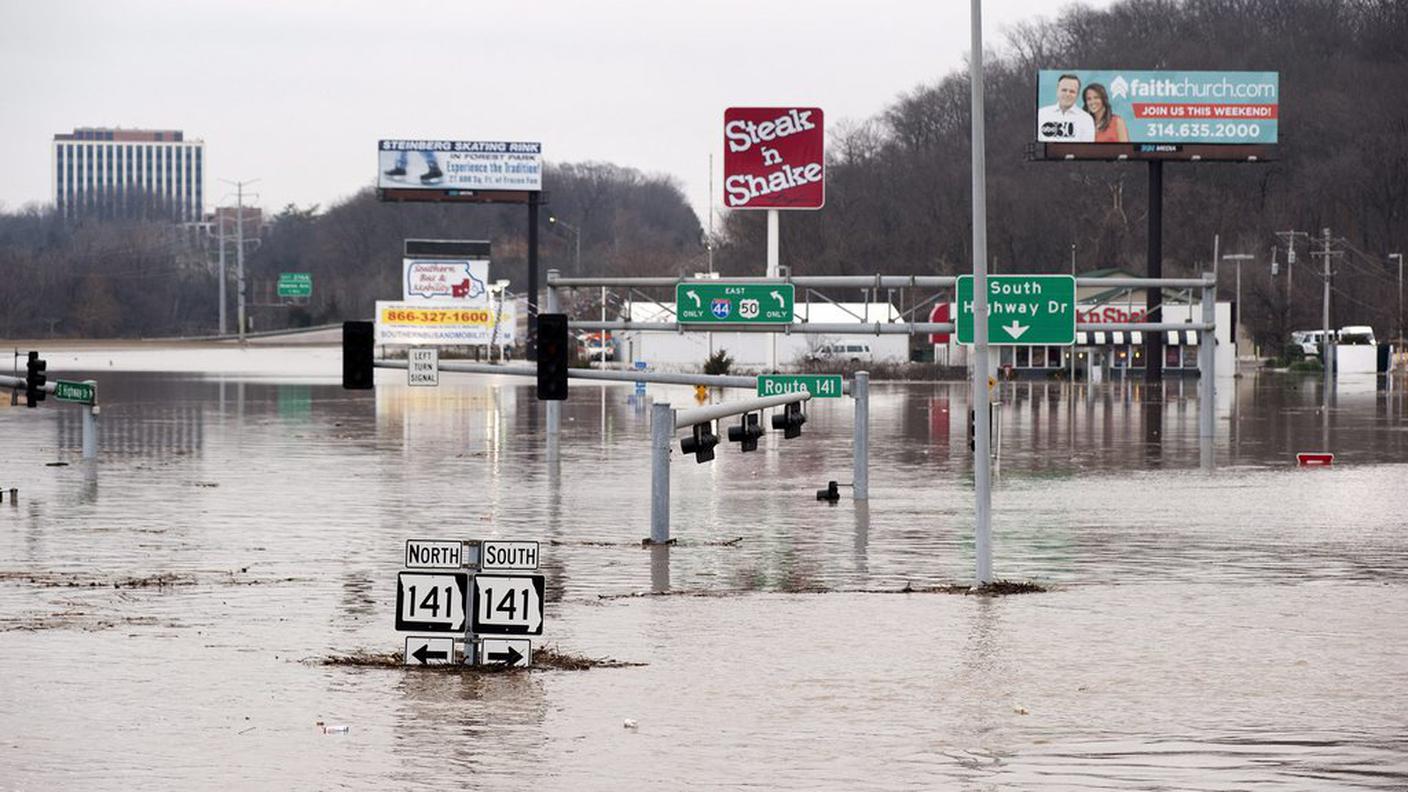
{"x":820,"y":386}
{"x":734,"y":303}
{"x":295,"y":284}
{"x":1022,"y":309}
{"x":80,"y":392}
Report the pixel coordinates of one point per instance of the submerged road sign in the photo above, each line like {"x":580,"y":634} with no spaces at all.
{"x":507,"y":605}
{"x":508,"y":556}
{"x":432,"y":601}
{"x":79,"y":392}
{"x":508,"y":652}
{"x":434,"y":554}
{"x":734,"y":303}
{"x":820,"y":386}
{"x":423,"y":367}
{"x":424,"y":650}
{"x":1022,"y":309}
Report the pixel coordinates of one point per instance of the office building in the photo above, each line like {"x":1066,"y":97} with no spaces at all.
{"x":128,"y":173}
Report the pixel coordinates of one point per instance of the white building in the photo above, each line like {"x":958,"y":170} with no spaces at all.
{"x":687,"y":350}
{"x":128,"y":173}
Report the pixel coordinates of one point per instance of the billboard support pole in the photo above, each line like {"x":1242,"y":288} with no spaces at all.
{"x":772,"y":272}
{"x":982,"y":457}
{"x":534,"y":198}
{"x":1153,"y":298}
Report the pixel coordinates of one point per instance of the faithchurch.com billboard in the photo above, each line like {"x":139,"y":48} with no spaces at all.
{"x":1173,"y":108}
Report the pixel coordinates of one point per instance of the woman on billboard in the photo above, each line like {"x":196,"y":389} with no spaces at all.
{"x":1109,"y":128}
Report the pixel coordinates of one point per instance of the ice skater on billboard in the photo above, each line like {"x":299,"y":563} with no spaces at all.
{"x":432,"y":174}
{"x":1109,"y":128}
{"x":1063,"y":122}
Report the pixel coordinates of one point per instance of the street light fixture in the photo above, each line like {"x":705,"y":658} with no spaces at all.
{"x":576,"y":236}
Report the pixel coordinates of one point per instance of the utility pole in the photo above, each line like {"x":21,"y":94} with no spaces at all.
{"x":220,"y":235}
{"x":239,"y":257}
{"x":239,"y":253}
{"x":1325,"y":340}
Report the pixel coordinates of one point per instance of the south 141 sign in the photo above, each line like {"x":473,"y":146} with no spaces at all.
{"x":1022,"y":309}
{"x":734,"y":303}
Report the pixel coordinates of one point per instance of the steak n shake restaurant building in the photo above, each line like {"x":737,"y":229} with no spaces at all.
{"x":1101,"y":354}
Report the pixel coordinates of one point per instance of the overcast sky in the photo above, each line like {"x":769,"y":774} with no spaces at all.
{"x":296,"y":93}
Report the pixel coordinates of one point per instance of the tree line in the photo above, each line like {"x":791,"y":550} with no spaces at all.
{"x":897,"y":188}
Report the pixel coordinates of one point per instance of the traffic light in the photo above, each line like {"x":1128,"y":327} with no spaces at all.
{"x":35,"y":377}
{"x":701,"y":442}
{"x":358,"y":340}
{"x":790,"y":420}
{"x":746,"y":433}
{"x":552,"y":357}
{"x":972,"y":430}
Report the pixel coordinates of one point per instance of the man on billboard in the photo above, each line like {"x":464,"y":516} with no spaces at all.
{"x":1063,"y":122}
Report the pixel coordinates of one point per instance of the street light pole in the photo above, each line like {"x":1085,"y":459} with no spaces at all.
{"x":1236,"y":326}
{"x":1399,"y":256}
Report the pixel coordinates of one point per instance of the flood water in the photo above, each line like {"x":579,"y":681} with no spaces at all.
{"x":1216,"y":617}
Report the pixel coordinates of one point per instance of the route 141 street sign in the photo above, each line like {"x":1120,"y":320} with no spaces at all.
{"x":507,"y":652}
{"x":507,"y":605}
{"x":1022,"y":309}
{"x":422,"y":650}
{"x":820,"y":386}
{"x":734,"y":303}
{"x":432,"y":601}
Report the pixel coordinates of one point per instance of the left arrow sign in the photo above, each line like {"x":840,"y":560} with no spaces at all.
{"x":429,"y":651}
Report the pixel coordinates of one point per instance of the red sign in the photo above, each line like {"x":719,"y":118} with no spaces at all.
{"x":939,"y":315}
{"x":774,"y":158}
{"x":1315,"y":458}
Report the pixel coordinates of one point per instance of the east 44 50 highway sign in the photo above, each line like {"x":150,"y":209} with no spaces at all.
{"x":734,"y":303}
{"x":1022,"y":309}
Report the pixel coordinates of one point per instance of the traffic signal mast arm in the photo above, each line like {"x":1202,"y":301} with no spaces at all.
{"x":713,"y":412}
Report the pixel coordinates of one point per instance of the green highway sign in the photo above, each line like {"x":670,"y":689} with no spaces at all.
{"x":820,"y":386}
{"x":734,"y":303}
{"x":1022,"y":309}
{"x":80,"y":392}
{"x":295,"y":284}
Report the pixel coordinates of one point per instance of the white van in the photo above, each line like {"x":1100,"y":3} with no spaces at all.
{"x":851,"y":351}
{"x":1357,"y":335}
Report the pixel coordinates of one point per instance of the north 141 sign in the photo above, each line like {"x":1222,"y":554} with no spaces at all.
{"x":774,"y":158}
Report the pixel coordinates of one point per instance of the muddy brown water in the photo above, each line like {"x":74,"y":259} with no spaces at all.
{"x":1234,"y":625}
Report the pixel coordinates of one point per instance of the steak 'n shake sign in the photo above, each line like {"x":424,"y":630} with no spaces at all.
{"x":774,"y":158}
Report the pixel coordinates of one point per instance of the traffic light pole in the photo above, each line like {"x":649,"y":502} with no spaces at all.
{"x":664,"y":422}
{"x":554,"y":408}
{"x":89,"y":411}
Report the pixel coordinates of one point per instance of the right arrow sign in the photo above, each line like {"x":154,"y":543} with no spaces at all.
{"x":1022,"y":309}
{"x":509,"y":652}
